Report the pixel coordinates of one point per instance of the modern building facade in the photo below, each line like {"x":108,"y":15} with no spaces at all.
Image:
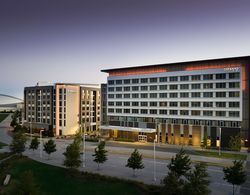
{"x":62,"y":108}
{"x":181,"y":103}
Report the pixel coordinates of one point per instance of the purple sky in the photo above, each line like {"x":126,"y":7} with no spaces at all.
{"x":70,"y":41}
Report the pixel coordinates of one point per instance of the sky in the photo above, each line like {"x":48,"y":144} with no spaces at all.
{"x":71,"y":41}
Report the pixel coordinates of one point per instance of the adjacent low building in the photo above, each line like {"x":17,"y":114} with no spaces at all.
{"x":62,"y":108}
{"x":181,"y":103}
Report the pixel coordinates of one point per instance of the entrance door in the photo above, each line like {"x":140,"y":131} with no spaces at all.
{"x":142,"y":138}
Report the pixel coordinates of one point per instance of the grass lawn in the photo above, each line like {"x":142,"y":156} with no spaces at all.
{"x":2,"y":144}
{"x":55,"y":180}
{"x":3,"y":116}
{"x":223,"y":155}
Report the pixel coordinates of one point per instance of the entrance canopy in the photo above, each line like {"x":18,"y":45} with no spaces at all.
{"x":133,"y":129}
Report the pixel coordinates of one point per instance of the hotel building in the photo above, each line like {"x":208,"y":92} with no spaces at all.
{"x":62,"y":108}
{"x":181,"y":102}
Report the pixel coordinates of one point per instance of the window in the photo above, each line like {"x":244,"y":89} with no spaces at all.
{"x":153,"y":104}
{"x":234,"y":94}
{"x":135,"y":81}
{"x":195,"y":112}
{"x":118,"y":82}
{"x":135,"y":111}
{"x":144,"y":88}
{"x":184,"y":112}
{"x":126,"y":88}
{"x":111,"y":103}
{"x":118,"y":89}
{"x":208,"y":104}
{"x":184,"y":95}
{"x":234,"y":114}
{"x":163,"y":104}
{"x":196,"y":104}
{"x":153,"y":80}
{"x":163,"y":79}
{"x":126,"y":95}
{"x":135,"y":103}
{"x":127,"y":111}
{"x":173,"y":95}
{"x":207,"y":113}
{"x":135,"y":95}
{"x":220,"y":104}
{"x":208,"y":94}
{"x":144,"y":111}
{"x":220,"y":113}
{"x":207,"y":77}
{"x":173,"y":112}
{"x":220,"y":94}
{"x":109,"y":96}
{"x":163,"y":87}
{"x":118,"y":103}
{"x":234,"y":85}
{"x":221,"y":76}
{"x":196,"y":94}
{"x":153,"y":95}
{"x":165,"y":112}
{"x":153,"y":87}
{"x":126,"y":81}
{"x":144,"y":95}
{"x":184,"y":104}
{"x":220,"y":85}
{"x":163,"y":95}
{"x":173,"y":104}
{"x":184,"y":78}
{"x":118,"y":110}
{"x":118,"y":95}
{"x":126,"y":103}
{"x":235,"y":75}
{"x":196,"y":86}
{"x":173,"y":79}
{"x":196,"y":77}
{"x":111,"y":110}
{"x":111,"y":89}
{"x":184,"y":86}
{"x":144,"y":104}
{"x":110,"y":82}
{"x":234,"y":104}
{"x":135,"y":88}
{"x":144,"y":80}
{"x":153,"y":111}
{"x":173,"y":87}
{"x":208,"y":86}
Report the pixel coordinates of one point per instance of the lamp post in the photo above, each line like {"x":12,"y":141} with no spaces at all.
{"x":83,"y":145}
{"x":30,"y":129}
{"x":220,"y":141}
{"x":41,"y":154}
{"x":155,"y":140}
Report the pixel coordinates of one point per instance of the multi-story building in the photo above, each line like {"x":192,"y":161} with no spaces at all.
{"x":62,"y":108}
{"x":181,"y":103}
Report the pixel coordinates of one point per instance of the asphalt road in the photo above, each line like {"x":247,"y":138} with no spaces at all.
{"x":117,"y":159}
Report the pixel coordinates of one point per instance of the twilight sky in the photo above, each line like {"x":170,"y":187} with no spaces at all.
{"x":71,"y":41}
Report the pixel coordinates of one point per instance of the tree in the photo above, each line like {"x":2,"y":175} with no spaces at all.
{"x":204,"y":144}
{"x":235,"y":174}
{"x":135,"y":161}
{"x":34,"y":144}
{"x":235,"y":143}
{"x":173,"y":184}
{"x":72,"y":156}
{"x":100,"y":153}
{"x":78,"y":138}
{"x":180,"y":164}
{"x":197,"y":182}
{"x":16,"y":118}
{"x":18,"y":143}
{"x":49,"y":147}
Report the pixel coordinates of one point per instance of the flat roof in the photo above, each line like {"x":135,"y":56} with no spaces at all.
{"x":176,"y":63}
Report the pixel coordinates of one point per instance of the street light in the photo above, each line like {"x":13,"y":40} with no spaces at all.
{"x":83,"y":146}
{"x":155,"y":140}
{"x":30,"y":129}
{"x":41,"y":154}
{"x":220,"y":141}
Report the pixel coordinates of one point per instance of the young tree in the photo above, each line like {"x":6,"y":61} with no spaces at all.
{"x":34,"y":144}
{"x":197,"y":182}
{"x":18,"y":143}
{"x":78,"y":138}
{"x":135,"y":161}
{"x":235,"y":174}
{"x":49,"y":147}
{"x":235,"y":143}
{"x":100,"y":153}
{"x":180,"y":164}
{"x":72,"y":156}
{"x":172,"y":184}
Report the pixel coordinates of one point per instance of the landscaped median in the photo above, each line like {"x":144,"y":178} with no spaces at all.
{"x":3,"y":116}
{"x":55,"y":180}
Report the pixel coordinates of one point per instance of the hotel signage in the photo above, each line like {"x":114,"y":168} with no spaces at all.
{"x":232,"y":69}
